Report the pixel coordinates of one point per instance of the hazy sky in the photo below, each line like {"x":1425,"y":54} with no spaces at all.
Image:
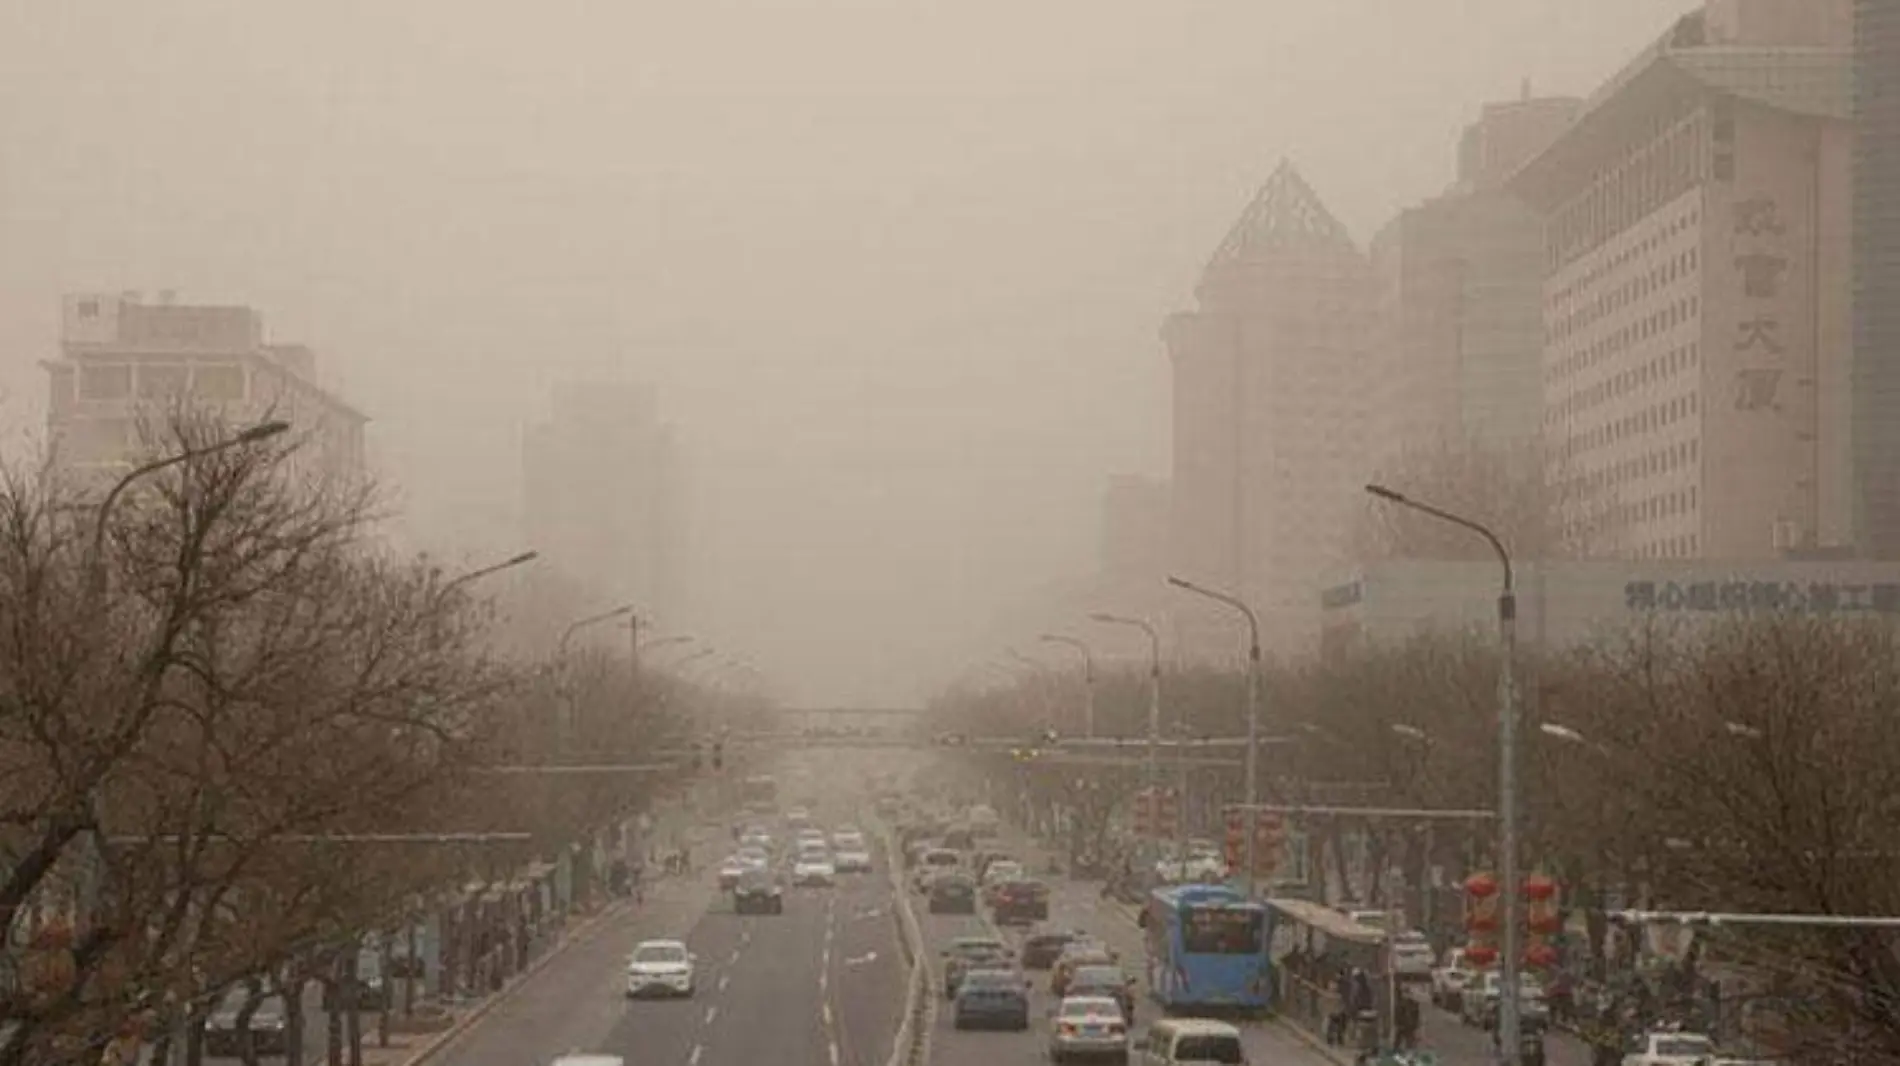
{"x":895,"y":267}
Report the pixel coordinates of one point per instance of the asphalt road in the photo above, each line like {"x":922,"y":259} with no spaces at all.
{"x":1072,"y":905}
{"x":1078,"y":905}
{"x":819,"y":984}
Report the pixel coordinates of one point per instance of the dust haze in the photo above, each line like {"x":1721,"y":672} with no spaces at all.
{"x":894,"y":271}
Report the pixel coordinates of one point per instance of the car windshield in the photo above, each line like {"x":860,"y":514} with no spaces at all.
{"x":659,"y":953}
{"x":1086,"y":1006}
{"x":992,"y":981}
{"x":1098,"y":975}
{"x":1684,"y":1045}
{"x":1198,"y":1048}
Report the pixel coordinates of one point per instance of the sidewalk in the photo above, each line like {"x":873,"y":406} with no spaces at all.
{"x":411,"y":1049}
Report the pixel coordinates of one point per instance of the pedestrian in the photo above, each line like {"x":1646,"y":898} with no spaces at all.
{"x":1342,"y":1010}
{"x":1406,"y":1022}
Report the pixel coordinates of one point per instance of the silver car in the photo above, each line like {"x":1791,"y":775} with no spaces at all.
{"x":1088,"y":1027}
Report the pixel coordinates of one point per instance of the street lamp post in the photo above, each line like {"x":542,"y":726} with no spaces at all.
{"x":1153,"y":769}
{"x":1508,"y":1006}
{"x":595,"y":619}
{"x":1253,"y":716}
{"x":477,"y":575}
{"x":261,"y":431}
{"x":1088,"y":678}
{"x":569,"y":710}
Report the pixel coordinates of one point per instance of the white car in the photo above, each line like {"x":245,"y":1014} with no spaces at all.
{"x":1412,"y":956}
{"x":660,"y":968}
{"x":1670,"y":1049}
{"x":1450,"y":978}
{"x":848,"y":840}
{"x":855,"y":860}
{"x":813,"y":869}
{"x":730,"y":871}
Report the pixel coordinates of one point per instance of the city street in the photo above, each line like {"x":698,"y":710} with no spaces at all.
{"x":1079,"y":905}
{"x":818,"y":984}
{"x":1072,"y":905}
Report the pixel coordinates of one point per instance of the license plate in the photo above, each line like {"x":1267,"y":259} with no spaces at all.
{"x":1093,"y":1030}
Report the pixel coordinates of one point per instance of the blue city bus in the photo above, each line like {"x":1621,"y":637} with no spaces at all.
{"x":1207,"y":949}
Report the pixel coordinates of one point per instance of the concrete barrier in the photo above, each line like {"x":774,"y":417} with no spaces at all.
{"x":912,"y":1046}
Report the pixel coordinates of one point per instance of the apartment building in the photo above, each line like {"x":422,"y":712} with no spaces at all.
{"x":126,"y":364}
{"x":1698,"y":265}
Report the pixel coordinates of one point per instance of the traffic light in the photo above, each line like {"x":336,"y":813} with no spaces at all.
{"x":719,"y":754}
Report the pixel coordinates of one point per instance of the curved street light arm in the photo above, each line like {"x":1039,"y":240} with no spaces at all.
{"x":1088,"y":656}
{"x":477,"y":575}
{"x":568,"y":633}
{"x":261,"y":431}
{"x":1400,"y":498}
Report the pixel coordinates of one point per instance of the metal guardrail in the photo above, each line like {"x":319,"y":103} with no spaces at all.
{"x":912,"y":1046}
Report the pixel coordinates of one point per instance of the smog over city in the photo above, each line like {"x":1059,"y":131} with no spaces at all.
{"x":894,"y":273}
{"x":1171,"y":532}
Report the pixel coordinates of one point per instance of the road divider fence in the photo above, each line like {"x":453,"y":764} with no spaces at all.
{"x":912,"y":1046}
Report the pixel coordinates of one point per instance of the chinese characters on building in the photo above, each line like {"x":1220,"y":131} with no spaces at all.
{"x":1759,"y":346}
{"x":1819,"y":597}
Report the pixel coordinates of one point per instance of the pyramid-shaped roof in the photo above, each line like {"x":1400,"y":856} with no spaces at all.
{"x":1286,"y":215}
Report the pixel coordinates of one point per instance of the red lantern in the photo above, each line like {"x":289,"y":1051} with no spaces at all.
{"x":1481,"y":886}
{"x":1539,"y":887}
{"x":1544,"y":920}
{"x":1541,"y":955}
{"x":1480,"y":955}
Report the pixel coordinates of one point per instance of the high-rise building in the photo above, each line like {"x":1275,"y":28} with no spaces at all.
{"x":1134,"y":526}
{"x":602,"y":502}
{"x":1459,"y":279}
{"x":1876,"y":374}
{"x":1270,"y":376}
{"x":127,"y":365}
{"x":1697,"y":241}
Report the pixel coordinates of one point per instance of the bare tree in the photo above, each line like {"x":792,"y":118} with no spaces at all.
{"x":1527,"y":497}
{"x":234,"y":672}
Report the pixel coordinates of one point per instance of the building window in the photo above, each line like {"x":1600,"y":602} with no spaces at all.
{"x":105,"y":381}
{"x":162,"y":382}
{"x":218,"y":382}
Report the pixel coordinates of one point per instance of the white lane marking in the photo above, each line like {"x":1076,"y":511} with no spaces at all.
{"x":735,"y":956}
{"x":724,"y":980}
{"x":825,"y":1008}
{"x":824,"y":981}
{"x":824,"y":962}
{"x":870,"y":956}
{"x":711,"y":1013}
{"x":693,"y":1059}
{"x":834,"y":1053}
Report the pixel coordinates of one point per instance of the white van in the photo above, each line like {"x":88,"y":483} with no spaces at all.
{"x":1189,"y":1040}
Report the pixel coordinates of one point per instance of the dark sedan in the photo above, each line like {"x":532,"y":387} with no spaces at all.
{"x":952,"y":893}
{"x":993,"y":999}
{"x":1041,"y":950}
{"x":971,"y":953}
